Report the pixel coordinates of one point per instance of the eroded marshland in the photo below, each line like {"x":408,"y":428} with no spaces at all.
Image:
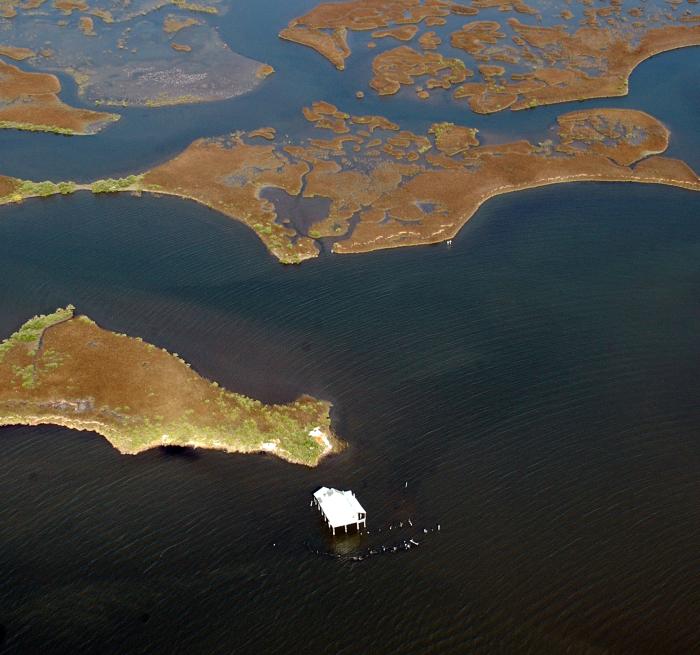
{"x":137,"y":53}
{"x":386,"y":187}
{"x":65,"y":370}
{"x":480,"y":54}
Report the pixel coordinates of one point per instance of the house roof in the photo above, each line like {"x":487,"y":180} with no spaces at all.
{"x":339,"y":507}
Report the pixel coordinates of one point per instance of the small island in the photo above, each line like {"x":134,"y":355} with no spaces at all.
{"x":63,"y":369}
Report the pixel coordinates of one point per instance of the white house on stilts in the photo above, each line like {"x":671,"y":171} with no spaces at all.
{"x":340,"y":508}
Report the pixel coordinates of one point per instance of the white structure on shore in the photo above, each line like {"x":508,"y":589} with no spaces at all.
{"x":340,"y":508}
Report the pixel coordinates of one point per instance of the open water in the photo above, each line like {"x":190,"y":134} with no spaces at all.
{"x":533,"y":390}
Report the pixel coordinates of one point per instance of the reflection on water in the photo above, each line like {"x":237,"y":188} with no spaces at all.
{"x":533,"y":390}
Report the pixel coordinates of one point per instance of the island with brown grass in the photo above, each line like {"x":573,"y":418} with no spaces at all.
{"x":521,"y":62}
{"x":62,"y":369}
{"x":385,"y":187}
{"x":29,"y":101}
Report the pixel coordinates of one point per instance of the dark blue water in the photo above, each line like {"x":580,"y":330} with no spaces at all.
{"x":536,"y":386}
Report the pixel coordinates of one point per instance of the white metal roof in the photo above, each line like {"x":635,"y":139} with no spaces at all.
{"x":339,"y":507}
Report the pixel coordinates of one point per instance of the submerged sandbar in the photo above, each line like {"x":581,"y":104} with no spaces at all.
{"x":65,"y":370}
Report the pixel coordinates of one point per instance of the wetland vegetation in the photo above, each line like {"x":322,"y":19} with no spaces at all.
{"x":387,"y":187}
{"x":63,"y":369}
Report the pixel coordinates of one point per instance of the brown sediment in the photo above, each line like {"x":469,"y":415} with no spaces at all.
{"x":65,"y":370}
{"x":581,"y":53}
{"x":69,"y":6}
{"x":264,"y":70}
{"x":668,"y":169}
{"x":350,"y":191}
{"x":612,"y":53}
{"x":475,"y":36}
{"x":451,"y":139}
{"x":268,"y":133}
{"x":505,"y":5}
{"x":327,"y":116}
{"x":429,"y":41}
{"x":181,"y":47}
{"x":463,"y":10}
{"x":374,"y":123}
{"x":488,"y":71}
{"x":325,"y":27}
{"x":87,"y":26}
{"x":102,"y":14}
{"x":403,"y":64}
{"x":7,"y":10}
{"x":623,"y":137}
{"x":8,"y":186}
{"x":173,"y":24}
{"x":402,"y":33}
{"x":18,"y":54}
{"x":30,"y":101}
{"x":332,"y":45}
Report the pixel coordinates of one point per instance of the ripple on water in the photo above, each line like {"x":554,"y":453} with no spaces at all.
{"x":535,"y":386}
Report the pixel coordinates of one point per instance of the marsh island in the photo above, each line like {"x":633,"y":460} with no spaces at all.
{"x":65,"y":370}
{"x":382,"y":186}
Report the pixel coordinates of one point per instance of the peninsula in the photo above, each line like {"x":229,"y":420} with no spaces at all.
{"x":384,"y":187}
{"x":65,"y":370}
{"x":29,"y":101}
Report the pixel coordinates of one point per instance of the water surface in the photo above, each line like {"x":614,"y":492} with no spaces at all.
{"x":533,"y":390}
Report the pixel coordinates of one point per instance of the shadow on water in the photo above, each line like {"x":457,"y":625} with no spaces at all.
{"x":183,"y":452}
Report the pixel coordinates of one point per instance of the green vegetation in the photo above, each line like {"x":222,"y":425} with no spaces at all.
{"x":30,"y":333}
{"x":55,"y":129}
{"x":111,"y":185}
{"x":195,"y":6}
{"x":32,"y":127}
{"x":28,"y":189}
{"x":25,"y":374}
{"x":438,"y":129}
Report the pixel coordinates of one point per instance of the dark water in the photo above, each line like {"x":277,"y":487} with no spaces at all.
{"x":536,"y":386}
